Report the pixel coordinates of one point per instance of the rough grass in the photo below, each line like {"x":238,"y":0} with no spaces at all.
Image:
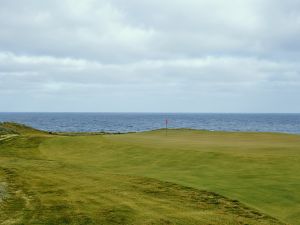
{"x":16,"y":128}
{"x":150,"y":178}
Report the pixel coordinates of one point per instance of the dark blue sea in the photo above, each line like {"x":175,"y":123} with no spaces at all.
{"x":132,"y":122}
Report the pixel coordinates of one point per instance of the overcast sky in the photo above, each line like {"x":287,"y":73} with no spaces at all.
{"x":150,"y":56}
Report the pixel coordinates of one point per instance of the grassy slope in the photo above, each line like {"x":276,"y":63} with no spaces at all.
{"x":7,"y":128}
{"x":107,"y":179}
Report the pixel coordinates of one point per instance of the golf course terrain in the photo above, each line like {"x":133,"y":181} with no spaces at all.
{"x":185,"y":177}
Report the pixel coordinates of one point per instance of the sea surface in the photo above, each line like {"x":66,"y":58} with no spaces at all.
{"x":132,"y":122}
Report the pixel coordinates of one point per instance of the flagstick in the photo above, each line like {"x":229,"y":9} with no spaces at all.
{"x":166,"y":127}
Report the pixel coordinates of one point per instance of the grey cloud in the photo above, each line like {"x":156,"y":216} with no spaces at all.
{"x":166,"y":53}
{"x":222,"y":27}
{"x":89,"y":29}
{"x":225,"y":70}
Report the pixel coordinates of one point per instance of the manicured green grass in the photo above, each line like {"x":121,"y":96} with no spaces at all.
{"x":150,"y":178}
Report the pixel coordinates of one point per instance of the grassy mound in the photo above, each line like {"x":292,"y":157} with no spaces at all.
{"x":16,"y":128}
{"x":5,"y":130}
{"x":150,"y":178}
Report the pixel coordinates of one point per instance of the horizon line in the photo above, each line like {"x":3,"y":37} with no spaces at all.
{"x":155,"y":112}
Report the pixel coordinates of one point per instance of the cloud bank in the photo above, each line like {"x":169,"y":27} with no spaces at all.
{"x":183,"y":56}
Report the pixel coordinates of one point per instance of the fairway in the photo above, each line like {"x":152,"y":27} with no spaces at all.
{"x":185,"y":177}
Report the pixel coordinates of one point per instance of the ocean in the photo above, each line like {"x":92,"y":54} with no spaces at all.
{"x":134,"y":122}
